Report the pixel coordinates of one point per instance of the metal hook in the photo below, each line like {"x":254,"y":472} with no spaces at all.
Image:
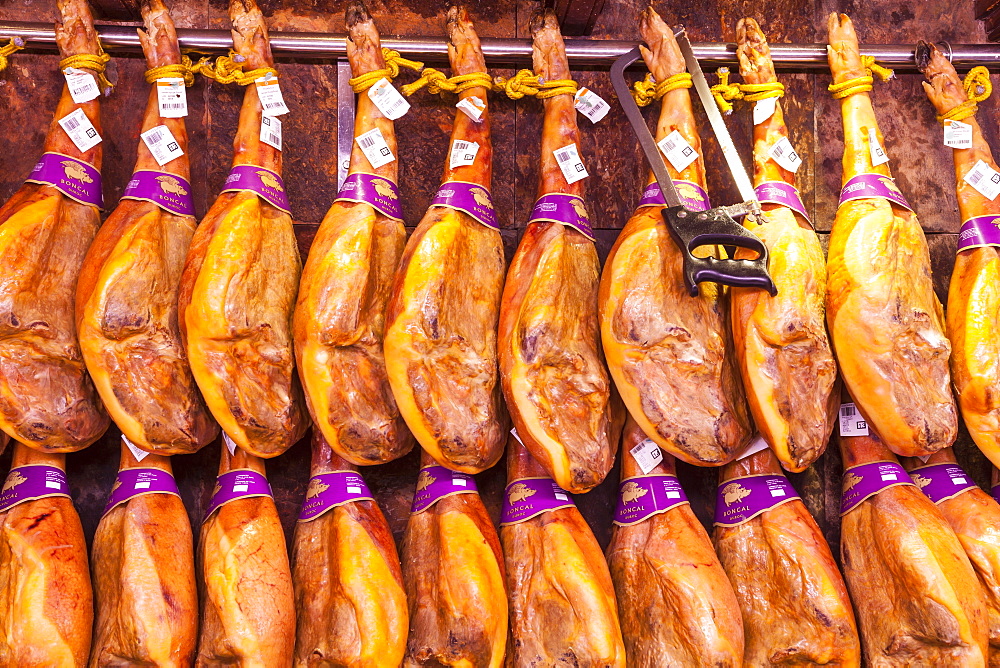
{"x":951,"y":52}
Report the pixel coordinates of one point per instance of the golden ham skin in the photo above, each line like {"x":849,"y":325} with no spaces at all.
{"x":144,"y":580}
{"x":47,"y":608}
{"x":239,"y":284}
{"x":247,"y":601}
{"x":973,"y":314}
{"x":975,"y":518}
{"x":341,"y":311}
{"x":47,"y":400}
{"x":916,"y":596}
{"x":440,"y":341}
{"x":552,"y":369}
{"x":675,"y":602}
{"x":454,"y":576}
{"x":796,"y":611}
{"x":127,"y":294}
{"x":669,"y":353}
{"x":349,"y":597}
{"x":885,"y":322}
{"x":781,"y":342}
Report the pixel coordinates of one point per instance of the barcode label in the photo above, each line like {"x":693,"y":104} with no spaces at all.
{"x":373,"y":145}
{"x":851,"y":422}
{"x":269,"y":94}
{"x":82,"y":85}
{"x":957,"y":134}
{"x":647,"y":455}
{"x":569,"y":161}
{"x":473,"y":107}
{"x":80,"y":130}
{"x":985,"y":179}
{"x":270,"y":131}
{"x":136,"y":452}
{"x":171,"y":97}
{"x":463,"y":153}
{"x":784,"y":154}
{"x":161,"y":143}
{"x":764,"y":109}
{"x":677,"y":150}
{"x":388,"y":100}
{"x":591,"y":105}
{"x":877,"y":153}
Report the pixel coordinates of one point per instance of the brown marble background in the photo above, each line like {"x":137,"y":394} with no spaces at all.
{"x":30,"y":87}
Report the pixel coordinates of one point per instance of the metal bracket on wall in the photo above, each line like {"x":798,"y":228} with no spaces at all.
{"x":345,"y":120}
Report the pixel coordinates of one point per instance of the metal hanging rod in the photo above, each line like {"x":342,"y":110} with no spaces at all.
{"x":582,"y":52}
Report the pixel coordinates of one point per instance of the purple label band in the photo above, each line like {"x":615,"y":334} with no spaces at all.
{"x":779,"y":192}
{"x":564,"y":209}
{"x":238,"y":484}
{"x":530,"y":497}
{"x":326,"y":491}
{"x":74,"y":178}
{"x":692,"y":196}
{"x":979,"y":231}
{"x":741,"y":499}
{"x":995,"y":492}
{"x":864,"y":186}
{"x":436,"y":482}
{"x":941,"y":481}
{"x":377,"y":191}
{"x":167,"y":191}
{"x":131,"y":483}
{"x":865,"y":480}
{"x":35,"y":481}
{"x":469,"y":198}
{"x":265,"y":183}
{"x":642,"y":497}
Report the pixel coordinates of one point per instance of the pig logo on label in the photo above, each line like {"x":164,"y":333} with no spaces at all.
{"x":481,"y":196}
{"x":631,"y":492}
{"x":519,"y":492}
{"x":383,"y":188}
{"x":425,"y":480}
{"x":688,"y":191}
{"x":118,"y":483}
{"x":889,"y":183}
{"x":850,"y":481}
{"x":734,"y":492}
{"x":267,"y":178}
{"x":13,"y":480}
{"x":921,"y":481}
{"x":316,"y":487}
{"x":217,"y":488}
{"x":74,"y":171}
{"x":169,"y":184}
{"x":579,"y":208}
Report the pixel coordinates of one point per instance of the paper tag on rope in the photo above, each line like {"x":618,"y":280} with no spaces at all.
{"x":677,"y":150}
{"x":136,"y":452}
{"x":388,"y":99}
{"x":82,"y":85}
{"x":851,"y":422}
{"x":784,"y":154}
{"x":269,"y":94}
{"x":957,"y":134}
{"x":161,"y":143}
{"x":463,"y":153}
{"x":877,"y":153}
{"x":647,"y":455}
{"x":591,"y":105}
{"x":373,"y":145}
{"x":764,"y":109}
{"x":985,"y":179}
{"x":569,"y":161}
{"x":755,"y":446}
{"x":171,"y":97}
{"x":80,"y":130}
{"x":270,"y":131}
{"x":473,"y":107}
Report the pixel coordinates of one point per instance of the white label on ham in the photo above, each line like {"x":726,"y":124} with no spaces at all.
{"x":677,"y":150}
{"x":473,"y":107}
{"x":161,"y":144}
{"x":388,"y":100}
{"x":591,"y":105}
{"x":136,"y":452}
{"x":171,"y":97}
{"x":764,"y":109}
{"x":373,"y":145}
{"x":82,"y":85}
{"x":647,"y":455}
{"x":230,"y":443}
{"x":756,"y":445}
{"x":569,"y":161}
{"x":80,"y":130}
{"x":270,"y":131}
{"x":269,"y":94}
{"x":784,"y":154}
{"x":877,"y":153}
{"x":851,"y":422}
{"x":513,"y":432}
{"x":985,"y":179}
{"x":463,"y":153}
{"x":957,"y":134}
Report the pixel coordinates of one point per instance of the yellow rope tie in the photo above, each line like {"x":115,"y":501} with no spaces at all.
{"x":978,"y":87}
{"x":15,"y":44}
{"x":437,"y":82}
{"x":393,"y":63}
{"x":726,"y":92}
{"x":89,"y":61}
{"x":527,"y":84}
{"x":229,"y":69}
{"x":861,"y":84}
{"x":180,"y":70}
{"x":647,"y":90}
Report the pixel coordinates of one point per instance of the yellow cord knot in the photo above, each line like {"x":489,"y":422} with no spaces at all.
{"x":229,"y":69}
{"x":393,"y":63}
{"x":15,"y":44}
{"x":724,"y":92}
{"x":182,"y":70}
{"x":978,"y":87}
{"x":88,"y":61}
{"x":647,"y":90}
{"x":861,"y":84}
{"x":527,"y":83}
{"x":437,"y":82}
{"x":762,"y":91}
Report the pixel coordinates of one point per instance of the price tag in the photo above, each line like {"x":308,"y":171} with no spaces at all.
{"x":473,"y":107}
{"x":388,"y":100}
{"x":784,"y":154}
{"x":677,"y":150}
{"x":82,"y":85}
{"x":270,"y":131}
{"x":463,"y":153}
{"x":373,"y":145}
{"x":764,"y":109}
{"x":171,"y":97}
{"x":957,"y":134}
{"x":569,"y":161}
{"x":80,"y":130}
{"x":269,"y":94}
{"x":230,"y":443}
{"x":161,"y":143}
{"x":877,"y":153}
{"x":647,"y":455}
{"x":851,"y":422}
{"x":591,"y":105}
{"x":985,"y":179}
{"x":136,"y":452}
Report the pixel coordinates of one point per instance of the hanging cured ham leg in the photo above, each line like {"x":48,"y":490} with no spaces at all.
{"x":47,"y":611}
{"x":781,"y":341}
{"x":241,"y":276}
{"x":674,"y":600}
{"x":885,"y":323}
{"x":667,"y":351}
{"x":47,"y":399}
{"x":349,"y":592}
{"x":340,"y":314}
{"x":553,"y":374}
{"x":440,"y":340}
